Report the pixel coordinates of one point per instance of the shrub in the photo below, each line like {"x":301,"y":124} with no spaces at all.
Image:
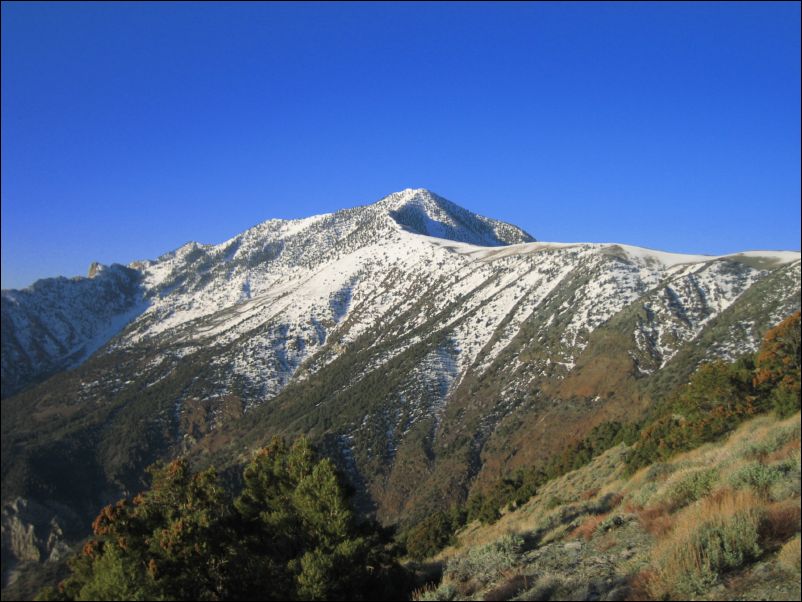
{"x":290,"y":534}
{"x":553,"y":502}
{"x":487,"y":562}
{"x":789,"y":450}
{"x":757,"y":476}
{"x":790,"y":484}
{"x":720,"y":534}
{"x":778,"y":366}
{"x":691,"y":487}
{"x":659,"y":471}
{"x":430,"y":536}
{"x":775,"y":441}
{"x":643,"y":495}
{"x":789,"y":556}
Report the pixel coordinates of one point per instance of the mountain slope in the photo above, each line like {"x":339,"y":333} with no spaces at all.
{"x":59,"y":322}
{"x":698,"y":526}
{"x":47,"y":326}
{"x":427,"y":349}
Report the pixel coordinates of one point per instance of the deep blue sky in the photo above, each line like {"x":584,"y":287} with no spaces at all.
{"x":129,"y":129}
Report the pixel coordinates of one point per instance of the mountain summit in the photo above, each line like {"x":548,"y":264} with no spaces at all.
{"x":423,"y":212}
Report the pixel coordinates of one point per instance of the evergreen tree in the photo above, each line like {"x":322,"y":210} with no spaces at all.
{"x":290,"y":535}
{"x":778,"y":365}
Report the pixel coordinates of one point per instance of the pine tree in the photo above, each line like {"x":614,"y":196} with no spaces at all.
{"x":289,"y":535}
{"x":778,"y":365}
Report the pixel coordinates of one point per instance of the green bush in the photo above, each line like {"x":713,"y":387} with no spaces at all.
{"x":486,"y":563}
{"x":720,"y":534}
{"x":691,"y":487}
{"x":774,"y":441}
{"x":759,"y":477}
{"x":290,"y":534}
{"x":431,"y":535}
{"x":659,"y":471}
{"x":778,"y":365}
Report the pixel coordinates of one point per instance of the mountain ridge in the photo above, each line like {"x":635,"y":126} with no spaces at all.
{"x":425,"y":367}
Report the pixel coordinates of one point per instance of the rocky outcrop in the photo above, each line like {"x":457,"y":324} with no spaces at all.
{"x":32,"y":532}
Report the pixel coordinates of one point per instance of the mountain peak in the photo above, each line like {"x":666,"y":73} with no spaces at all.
{"x":407,"y":195}
{"x":421,"y":211}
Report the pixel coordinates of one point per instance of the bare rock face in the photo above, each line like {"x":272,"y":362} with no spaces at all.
{"x":30,"y":533}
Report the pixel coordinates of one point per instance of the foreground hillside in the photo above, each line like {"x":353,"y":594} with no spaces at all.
{"x":700,"y":500}
{"x":720,"y":522}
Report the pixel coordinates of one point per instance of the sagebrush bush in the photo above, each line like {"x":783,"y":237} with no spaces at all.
{"x":790,"y":485}
{"x":719,"y":534}
{"x":789,"y":556}
{"x":659,"y":471}
{"x":777,"y":439}
{"x":690,"y":487}
{"x":487,"y":562}
{"x":756,"y":476}
{"x":643,"y":495}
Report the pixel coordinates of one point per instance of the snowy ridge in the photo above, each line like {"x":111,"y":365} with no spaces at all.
{"x":58,"y":322}
{"x":287,"y":297}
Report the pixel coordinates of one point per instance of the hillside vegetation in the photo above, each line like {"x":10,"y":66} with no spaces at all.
{"x":701,"y":502}
{"x":290,"y":534}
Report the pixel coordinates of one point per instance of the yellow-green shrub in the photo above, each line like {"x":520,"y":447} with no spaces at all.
{"x":718,"y":534}
{"x":789,"y":557}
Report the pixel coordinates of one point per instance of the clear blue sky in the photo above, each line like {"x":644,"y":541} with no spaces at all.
{"x":130,"y":129}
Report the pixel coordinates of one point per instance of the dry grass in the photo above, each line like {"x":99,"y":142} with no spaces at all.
{"x":603,"y":475}
{"x":781,"y":521}
{"x":640,"y":586}
{"x":433,"y":592}
{"x":789,"y":556}
{"x":656,"y":520}
{"x":718,"y":534}
{"x":703,"y":531}
{"x":786,"y":451}
{"x":589,"y":526}
{"x":607,"y":541}
{"x":614,"y":500}
{"x":509,"y":587}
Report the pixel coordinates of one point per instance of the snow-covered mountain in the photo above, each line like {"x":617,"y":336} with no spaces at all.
{"x":58,"y":322}
{"x":425,"y":347}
